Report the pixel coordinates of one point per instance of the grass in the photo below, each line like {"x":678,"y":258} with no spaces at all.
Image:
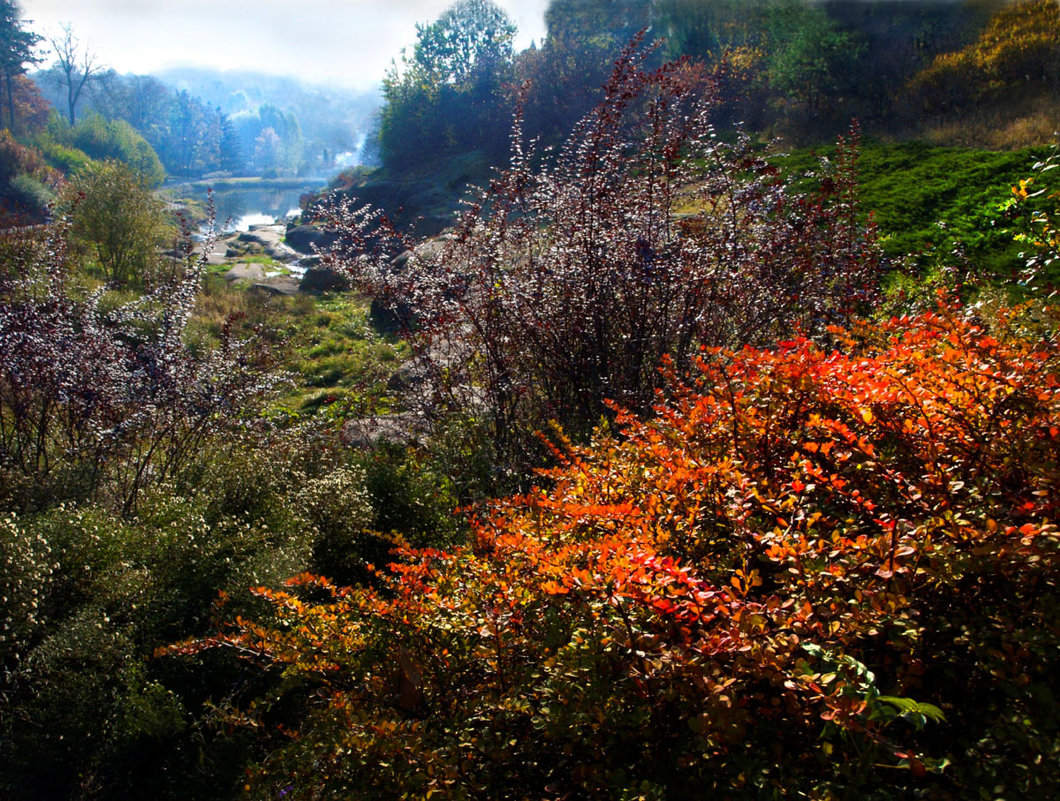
{"x":337,"y":363}
{"x":913,"y":187}
{"x":1024,"y":117}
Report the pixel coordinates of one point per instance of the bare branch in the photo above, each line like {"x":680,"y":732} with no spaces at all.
{"x":75,"y":67}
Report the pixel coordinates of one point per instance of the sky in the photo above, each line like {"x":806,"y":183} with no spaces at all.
{"x":348,"y":42}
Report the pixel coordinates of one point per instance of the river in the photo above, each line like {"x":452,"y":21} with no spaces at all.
{"x":241,"y":203}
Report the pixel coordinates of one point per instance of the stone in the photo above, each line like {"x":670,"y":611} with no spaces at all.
{"x":321,"y":278}
{"x":400,"y":427}
{"x":277,"y":285}
{"x":310,"y":239}
{"x":246,"y":271}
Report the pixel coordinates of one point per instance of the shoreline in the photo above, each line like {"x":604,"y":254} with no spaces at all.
{"x":249,"y":182}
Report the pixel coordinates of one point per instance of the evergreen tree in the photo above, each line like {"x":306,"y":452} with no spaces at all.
{"x":16,"y":51}
{"x":231,"y":147}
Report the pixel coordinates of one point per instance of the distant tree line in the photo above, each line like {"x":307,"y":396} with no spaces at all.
{"x":796,"y":67}
{"x":184,"y":132}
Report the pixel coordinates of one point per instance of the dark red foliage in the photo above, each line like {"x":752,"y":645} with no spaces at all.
{"x":647,"y":234}
{"x":106,"y":400}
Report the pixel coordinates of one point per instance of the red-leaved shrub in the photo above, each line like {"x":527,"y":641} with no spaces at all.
{"x":811,"y":568}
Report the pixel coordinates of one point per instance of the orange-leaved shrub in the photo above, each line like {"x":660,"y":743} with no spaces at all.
{"x":813,"y":573}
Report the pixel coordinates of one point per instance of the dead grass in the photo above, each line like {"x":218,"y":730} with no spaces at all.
{"x":1018,"y":123}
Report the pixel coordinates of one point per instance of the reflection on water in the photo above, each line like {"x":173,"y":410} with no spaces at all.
{"x":244,"y":222}
{"x":240,"y":207}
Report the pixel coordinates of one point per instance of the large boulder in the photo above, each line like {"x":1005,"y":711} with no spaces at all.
{"x":309,"y":239}
{"x":322,"y":278}
{"x":246,"y":271}
{"x":277,"y":285}
{"x":267,"y":239}
{"x":264,"y":236}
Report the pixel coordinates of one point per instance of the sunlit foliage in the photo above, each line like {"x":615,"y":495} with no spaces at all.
{"x":114,"y":214}
{"x":1037,"y":199}
{"x":811,"y":569}
{"x":101,"y":396}
{"x":446,"y":96}
{"x":565,"y":284}
{"x":1020,"y":47}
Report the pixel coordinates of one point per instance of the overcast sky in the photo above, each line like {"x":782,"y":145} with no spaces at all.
{"x":347,"y":41}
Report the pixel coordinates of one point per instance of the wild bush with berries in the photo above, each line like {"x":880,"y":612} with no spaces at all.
{"x":101,"y":394}
{"x":139,"y":476}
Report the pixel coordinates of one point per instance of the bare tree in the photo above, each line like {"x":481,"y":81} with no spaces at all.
{"x":74,"y":68}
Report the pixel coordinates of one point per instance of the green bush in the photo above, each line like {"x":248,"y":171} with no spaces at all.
{"x":412,"y":495}
{"x":31,"y":193}
{"x":27,"y":568}
{"x":88,"y":597}
{"x":114,"y":140}
{"x":114,"y":211}
{"x":68,"y":160}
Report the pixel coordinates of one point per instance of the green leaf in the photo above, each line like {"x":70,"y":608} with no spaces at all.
{"x":916,"y":711}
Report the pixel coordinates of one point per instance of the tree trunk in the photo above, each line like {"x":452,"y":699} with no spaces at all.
{"x":8,"y":78}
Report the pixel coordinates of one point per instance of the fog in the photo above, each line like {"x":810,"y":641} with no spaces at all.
{"x":346,"y":42}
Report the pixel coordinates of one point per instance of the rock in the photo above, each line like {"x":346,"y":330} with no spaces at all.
{"x":397,"y":264}
{"x":277,"y":285}
{"x":263,"y":235}
{"x":309,"y":239}
{"x":267,"y":239}
{"x":320,"y":278}
{"x":246,"y":271}
{"x":406,"y":377}
{"x":400,"y":427}
{"x":389,"y":321}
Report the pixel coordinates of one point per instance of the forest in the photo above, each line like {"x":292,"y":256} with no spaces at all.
{"x":674,"y":413}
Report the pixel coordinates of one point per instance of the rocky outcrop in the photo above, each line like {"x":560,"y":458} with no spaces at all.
{"x":246,"y":271}
{"x":322,"y":278}
{"x":277,"y":285}
{"x":262,"y":239}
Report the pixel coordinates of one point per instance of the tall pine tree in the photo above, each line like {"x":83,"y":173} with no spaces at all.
{"x":16,"y":51}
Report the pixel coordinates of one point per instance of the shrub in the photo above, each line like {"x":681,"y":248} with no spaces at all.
{"x":566,"y":284}
{"x":113,"y":140}
{"x":810,"y":569}
{"x":98,"y":403}
{"x":32,"y":194}
{"x":1036,"y":199}
{"x":89,"y":595}
{"x":26,"y":568}
{"x":114,"y":212}
{"x":68,"y":160}
{"x":26,"y":182}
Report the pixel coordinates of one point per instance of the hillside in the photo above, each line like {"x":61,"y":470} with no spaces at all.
{"x":672,"y":436}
